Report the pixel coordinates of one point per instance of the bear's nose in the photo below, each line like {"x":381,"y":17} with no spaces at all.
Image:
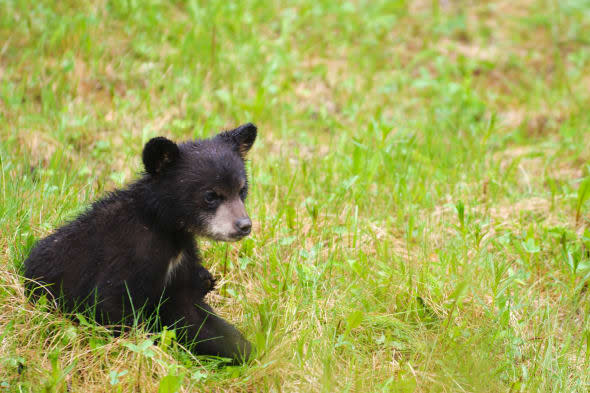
{"x":244,"y":225}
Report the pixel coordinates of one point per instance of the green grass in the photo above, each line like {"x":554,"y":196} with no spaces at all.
{"x":420,"y":187}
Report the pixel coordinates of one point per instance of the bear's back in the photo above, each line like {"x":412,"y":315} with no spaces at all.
{"x":104,"y":249}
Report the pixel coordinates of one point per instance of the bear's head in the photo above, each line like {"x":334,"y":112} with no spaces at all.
{"x":200,"y":186}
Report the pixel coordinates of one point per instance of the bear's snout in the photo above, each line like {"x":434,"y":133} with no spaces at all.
{"x":243,"y":226}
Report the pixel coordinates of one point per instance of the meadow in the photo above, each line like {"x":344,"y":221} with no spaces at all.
{"x":420,"y":187}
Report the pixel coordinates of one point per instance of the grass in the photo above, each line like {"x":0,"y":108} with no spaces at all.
{"x":420,"y":187}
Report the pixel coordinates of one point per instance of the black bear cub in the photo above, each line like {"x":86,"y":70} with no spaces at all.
{"x":133,"y":253}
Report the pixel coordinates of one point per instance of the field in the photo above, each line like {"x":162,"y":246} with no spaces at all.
{"x":420,"y":187}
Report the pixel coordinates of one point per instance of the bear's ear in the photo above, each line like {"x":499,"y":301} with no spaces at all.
{"x":159,"y":153}
{"x":241,"y":138}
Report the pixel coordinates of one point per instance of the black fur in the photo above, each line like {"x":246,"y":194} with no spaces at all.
{"x":159,"y":153}
{"x":242,"y":138}
{"x":114,"y":258}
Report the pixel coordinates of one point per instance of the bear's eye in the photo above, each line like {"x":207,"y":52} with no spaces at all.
{"x":243,"y":192}
{"x":211,"y":197}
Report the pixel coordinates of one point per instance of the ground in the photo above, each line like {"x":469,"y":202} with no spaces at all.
{"x":420,"y":187}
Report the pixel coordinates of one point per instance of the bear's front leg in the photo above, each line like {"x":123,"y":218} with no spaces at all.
{"x":201,"y":330}
{"x":206,"y":279}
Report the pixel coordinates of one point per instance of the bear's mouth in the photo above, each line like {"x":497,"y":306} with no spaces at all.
{"x":232,"y":237}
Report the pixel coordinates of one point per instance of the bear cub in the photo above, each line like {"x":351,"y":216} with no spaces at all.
{"x":133,"y":255}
